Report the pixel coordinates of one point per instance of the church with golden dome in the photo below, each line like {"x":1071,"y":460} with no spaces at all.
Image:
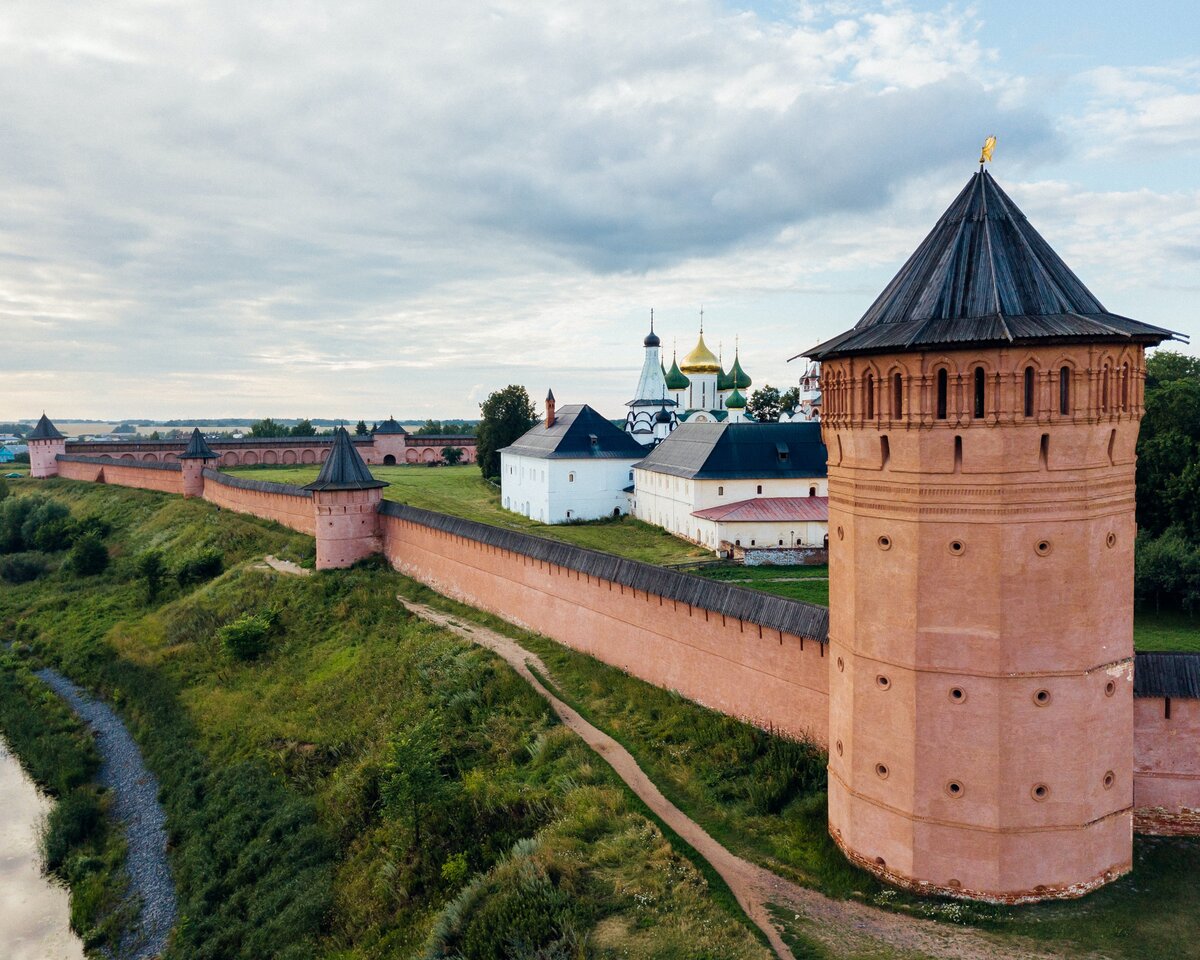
{"x":697,"y":389}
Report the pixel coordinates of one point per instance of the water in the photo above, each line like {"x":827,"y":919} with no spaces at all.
{"x":34,"y":911}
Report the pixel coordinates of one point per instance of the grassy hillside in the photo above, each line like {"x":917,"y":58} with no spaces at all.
{"x":462,"y":492}
{"x":368,"y":786}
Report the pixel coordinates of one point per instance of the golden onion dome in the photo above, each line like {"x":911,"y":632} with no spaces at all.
{"x":701,"y":360}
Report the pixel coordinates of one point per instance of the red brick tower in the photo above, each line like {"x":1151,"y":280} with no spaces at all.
{"x":45,"y":444}
{"x":346,"y":499}
{"x":193,"y":460}
{"x":981,"y":421}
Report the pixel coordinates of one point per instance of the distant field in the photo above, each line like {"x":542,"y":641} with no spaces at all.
{"x":462,"y":492}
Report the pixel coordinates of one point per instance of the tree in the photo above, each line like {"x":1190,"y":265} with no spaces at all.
{"x":304,"y":428}
{"x":268,"y":428}
{"x":413,"y":779}
{"x":3,"y":488}
{"x":507,"y":414}
{"x":765,"y":404}
{"x":125,"y":428}
{"x":88,"y":557}
{"x":152,"y":569}
{"x":360,"y":429}
{"x":789,"y":400}
{"x":452,"y":455}
{"x":1168,"y":446}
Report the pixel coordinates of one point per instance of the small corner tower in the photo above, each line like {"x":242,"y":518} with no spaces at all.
{"x":193,"y":460}
{"x":346,"y":500}
{"x":45,"y":444}
{"x":981,"y":420}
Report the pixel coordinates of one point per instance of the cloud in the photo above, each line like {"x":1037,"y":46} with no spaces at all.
{"x":1141,"y":111}
{"x":383,"y":207}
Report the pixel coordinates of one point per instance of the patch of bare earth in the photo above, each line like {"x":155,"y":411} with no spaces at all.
{"x":844,"y":927}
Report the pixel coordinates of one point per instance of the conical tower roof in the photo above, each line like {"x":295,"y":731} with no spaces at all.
{"x":389,"y":426}
{"x":984,"y":275}
{"x":344,"y":469}
{"x":44,"y":430}
{"x":197,"y":448}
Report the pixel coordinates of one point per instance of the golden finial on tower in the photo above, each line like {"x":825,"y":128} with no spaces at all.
{"x":986,"y":153}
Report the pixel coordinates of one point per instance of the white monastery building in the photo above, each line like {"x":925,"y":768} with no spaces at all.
{"x":737,"y":484}
{"x":575,"y":465}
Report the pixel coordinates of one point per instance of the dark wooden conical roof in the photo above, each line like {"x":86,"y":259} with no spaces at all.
{"x":984,"y":275}
{"x":197,"y":448}
{"x":344,"y":469}
{"x":44,"y":430}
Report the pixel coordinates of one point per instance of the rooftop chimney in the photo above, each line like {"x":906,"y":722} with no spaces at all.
{"x":549,"y":409}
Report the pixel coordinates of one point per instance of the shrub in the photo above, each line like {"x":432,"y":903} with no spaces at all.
{"x":151,"y":568}
{"x":200,"y":566}
{"x":53,"y":535}
{"x":22,"y":567}
{"x":246,"y":637}
{"x":50,"y":519}
{"x":74,"y":819}
{"x":3,"y":488}
{"x":88,"y":557}
{"x":14,"y":512}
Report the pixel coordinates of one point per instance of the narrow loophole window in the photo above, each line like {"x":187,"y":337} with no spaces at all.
{"x":897,"y":396}
{"x":869,"y":395}
{"x":1104,"y":389}
{"x":1029,"y":380}
{"x":1064,"y":391}
{"x":1044,"y":454}
{"x":1112,"y":444}
{"x":1125,"y":386}
{"x":942,"y":387}
{"x":885,"y":452}
{"x":958,"y":454}
{"x":980,"y":398}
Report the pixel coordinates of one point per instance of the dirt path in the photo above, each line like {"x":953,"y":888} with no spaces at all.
{"x":283,"y":566}
{"x":841,"y":925}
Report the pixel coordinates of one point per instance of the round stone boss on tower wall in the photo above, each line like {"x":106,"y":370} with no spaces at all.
{"x":981,"y":601}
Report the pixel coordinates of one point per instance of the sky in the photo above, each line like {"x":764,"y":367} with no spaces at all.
{"x":377,"y":207}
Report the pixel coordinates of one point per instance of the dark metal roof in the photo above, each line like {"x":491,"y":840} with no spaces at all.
{"x":752,"y":606}
{"x":1167,"y":675}
{"x":390,"y":425}
{"x":44,"y":430}
{"x":578,"y":433}
{"x":740,"y":450}
{"x":114,"y":462}
{"x":262,"y":486}
{"x":984,"y":275}
{"x":344,"y":469}
{"x":197,"y":448}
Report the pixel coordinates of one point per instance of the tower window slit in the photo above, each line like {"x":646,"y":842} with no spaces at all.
{"x":1104,"y":390}
{"x":1124,"y":386}
{"x":885,"y":452}
{"x":980,"y":387}
{"x":1064,"y":391}
{"x":869,"y":395}
{"x":942,"y":388}
{"x":897,"y":396}
{"x":1029,"y":391}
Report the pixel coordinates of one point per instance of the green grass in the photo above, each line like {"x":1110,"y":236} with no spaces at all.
{"x":278,"y":774}
{"x":462,"y":492}
{"x":809,"y":584}
{"x":713,"y":768}
{"x":1166,"y":630}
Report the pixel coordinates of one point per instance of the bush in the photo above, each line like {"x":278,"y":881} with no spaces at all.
{"x":246,"y":637}
{"x":50,"y":519}
{"x":22,"y":567}
{"x":200,"y":566}
{"x":88,"y":557}
{"x":151,"y":568}
{"x":74,"y":819}
{"x":3,"y":488}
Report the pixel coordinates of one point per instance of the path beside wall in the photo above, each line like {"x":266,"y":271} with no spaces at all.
{"x":768,"y":675}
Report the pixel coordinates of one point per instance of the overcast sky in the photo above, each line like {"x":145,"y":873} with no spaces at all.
{"x":374,"y":207}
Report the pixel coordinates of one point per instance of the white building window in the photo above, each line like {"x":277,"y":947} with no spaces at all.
{"x":570,"y":479}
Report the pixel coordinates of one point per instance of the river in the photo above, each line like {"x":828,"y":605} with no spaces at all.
{"x":34,"y":911}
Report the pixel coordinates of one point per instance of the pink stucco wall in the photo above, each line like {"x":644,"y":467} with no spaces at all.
{"x":1166,"y":769}
{"x":122,"y":475}
{"x":769,"y":678}
{"x":294,"y":512}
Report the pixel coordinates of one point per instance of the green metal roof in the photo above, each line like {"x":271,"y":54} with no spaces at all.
{"x":675,"y":377}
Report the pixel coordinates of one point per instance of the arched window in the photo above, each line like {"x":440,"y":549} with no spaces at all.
{"x":812,"y":491}
{"x":1029,"y":391}
{"x":897,"y":396}
{"x":1104,"y":389}
{"x":1125,"y":386}
{"x":980,"y":384}
{"x":571,"y":477}
{"x":869,"y":395}
{"x":1064,"y":391}
{"x":942,"y":388}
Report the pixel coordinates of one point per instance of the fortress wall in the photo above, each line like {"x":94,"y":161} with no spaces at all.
{"x":283,"y":503}
{"x":164,"y":477}
{"x":767,"y":676}
{"x":1166,"y":768}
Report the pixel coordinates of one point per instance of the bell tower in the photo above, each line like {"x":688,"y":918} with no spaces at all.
{"x":981,"y":420}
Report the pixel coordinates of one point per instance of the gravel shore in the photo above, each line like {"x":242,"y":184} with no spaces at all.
{"x":135,"y":804}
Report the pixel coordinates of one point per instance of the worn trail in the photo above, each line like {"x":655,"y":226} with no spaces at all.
{"x":135,"y":804}
{"x":843,"y":926}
